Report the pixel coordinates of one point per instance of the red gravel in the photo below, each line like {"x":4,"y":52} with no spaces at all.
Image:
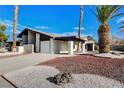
{"x":111,"y":68}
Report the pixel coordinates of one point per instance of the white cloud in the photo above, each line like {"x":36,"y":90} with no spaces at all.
{"x":9,"y":25}
{"x":120,"y":20}
{"x":77,"y":28}
{"x":17,"y":31}
{"x":41,"y":27}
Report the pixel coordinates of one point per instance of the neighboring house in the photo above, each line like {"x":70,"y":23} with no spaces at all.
{"x":9,"y":44}
{"x":37,"y":41}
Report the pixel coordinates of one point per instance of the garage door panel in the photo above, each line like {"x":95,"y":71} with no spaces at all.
{"x":45,"y":46}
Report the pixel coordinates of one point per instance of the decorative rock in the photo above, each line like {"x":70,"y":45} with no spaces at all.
{"x":62,"y":78}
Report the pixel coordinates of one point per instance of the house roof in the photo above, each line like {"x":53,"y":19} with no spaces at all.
{"x":34,"y":30}
{"x":68,"y":38}
{"x":57,"y":37}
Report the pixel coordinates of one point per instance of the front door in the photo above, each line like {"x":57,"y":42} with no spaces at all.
{"x":89,"y":47}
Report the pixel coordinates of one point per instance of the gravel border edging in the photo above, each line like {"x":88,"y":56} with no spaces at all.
{"x":9,"y":81}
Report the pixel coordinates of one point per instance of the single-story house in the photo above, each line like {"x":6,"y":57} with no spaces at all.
{"x":38,"y":41}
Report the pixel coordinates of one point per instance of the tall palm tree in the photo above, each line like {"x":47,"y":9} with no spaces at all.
{"x":14,"y":28}
{"x":80,"y":25}
{"x":103,"y":14}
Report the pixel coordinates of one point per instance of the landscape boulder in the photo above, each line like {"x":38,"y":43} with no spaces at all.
{"x":62,"y":78}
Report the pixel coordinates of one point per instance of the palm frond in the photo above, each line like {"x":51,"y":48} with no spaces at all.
{"x":113,"y":9}
{"x":122,"y":22}
{"x":93,"y":11}
{"x":116,"y":15}
{"x":121,"y":27}
{"x":106,"y":12}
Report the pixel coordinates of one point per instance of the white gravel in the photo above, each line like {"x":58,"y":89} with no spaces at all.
{"x":109,"y":55}
{"x":36,"y":77}
{"x":93,"y":81}
{"x":33,"y":77}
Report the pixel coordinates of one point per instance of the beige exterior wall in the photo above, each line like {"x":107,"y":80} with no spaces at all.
{"x":29,"y":48}
{"x":60,"y":46}
{"x":45,"y":47}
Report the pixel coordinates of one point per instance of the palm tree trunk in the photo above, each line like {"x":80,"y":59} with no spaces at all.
{"x":104,"y":38}
{"x":14,"y":28}
{"x":80,"y":25}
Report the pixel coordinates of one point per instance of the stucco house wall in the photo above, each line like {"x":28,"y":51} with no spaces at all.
{"x":29,"y":48}
{"x":25,"y":39}
{"x":47,"y":43}
{"x":60,"y":46}
{"x":31,"y":37}
{"x":45,"y":47}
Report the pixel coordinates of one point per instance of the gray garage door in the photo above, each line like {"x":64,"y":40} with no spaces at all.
{"x":45,"y":46}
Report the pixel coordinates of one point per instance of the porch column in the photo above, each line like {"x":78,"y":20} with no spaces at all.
{"x":93,"y":47}
{"x":83,"y":45}
{"x":51,"y":46}
{"x":70,"y":47}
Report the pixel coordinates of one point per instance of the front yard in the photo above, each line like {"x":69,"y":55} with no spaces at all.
{"x":106,"y":67}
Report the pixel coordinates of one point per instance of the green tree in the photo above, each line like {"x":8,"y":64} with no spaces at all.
{"x":3,"y":36}
{"x":103,"y":14}
{"x":90,"y":38}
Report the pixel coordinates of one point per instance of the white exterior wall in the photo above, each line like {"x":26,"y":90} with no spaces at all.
{"x":45,"y":47}
{"x":56,"y":46}
{"x":37,"y":43}
{"x":93,"y":47}
{"x":31,"y":37}
{"x":75,"y":47}
{"x":25,"y":39}
{"x":20,"y":49}
{"x":83,"y":48}
{"x":29,"y":48}
{"x":60,"y":46}
{"x":70,"y":47}
{"x":51,"y":46}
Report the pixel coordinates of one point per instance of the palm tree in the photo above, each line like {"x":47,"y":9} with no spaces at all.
{"x":103,"y":14}
{"x":14,"y":28}
{"x":80,"y":25}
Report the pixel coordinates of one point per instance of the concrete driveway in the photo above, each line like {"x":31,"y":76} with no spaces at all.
{"x":13,"y":63}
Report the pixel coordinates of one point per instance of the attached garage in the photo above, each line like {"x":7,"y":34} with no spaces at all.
{"x":45,"y":47}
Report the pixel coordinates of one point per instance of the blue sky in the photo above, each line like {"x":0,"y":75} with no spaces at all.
{"x":56,"y":19}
